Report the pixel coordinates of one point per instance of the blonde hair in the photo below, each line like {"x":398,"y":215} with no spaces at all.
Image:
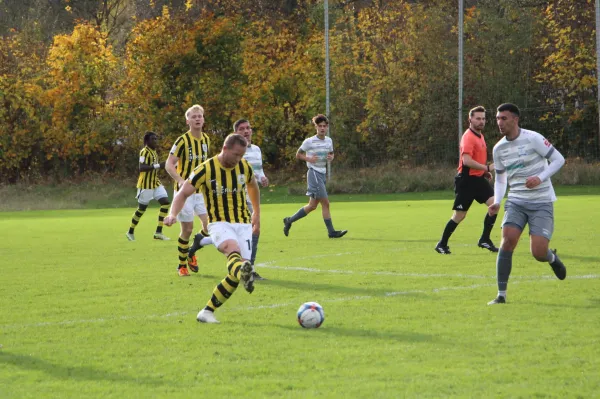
{"x":193,"y":108}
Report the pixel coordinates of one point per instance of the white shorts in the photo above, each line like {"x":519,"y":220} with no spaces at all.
{"x":145,"y":195}
{"x":240,"y":232}
{"x":193,"y":205}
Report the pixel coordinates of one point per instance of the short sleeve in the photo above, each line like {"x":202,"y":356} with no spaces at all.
{"x":250,"y":171}
{"x":305,"y":146}
{"x":467,"y":144}
{"x":541,"y":145}
{"x":498,"y":165}
{"x":176,"y":149}
{"x":198,"y":176}
{"x":144,"y":156}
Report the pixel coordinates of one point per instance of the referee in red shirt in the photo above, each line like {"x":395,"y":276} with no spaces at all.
{"x":472,"y":182}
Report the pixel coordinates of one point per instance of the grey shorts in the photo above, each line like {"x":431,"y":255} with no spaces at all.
{"x":540,"y":217}
{"x":316,"y":184}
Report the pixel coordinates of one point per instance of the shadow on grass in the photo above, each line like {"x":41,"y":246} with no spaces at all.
{"x":403,"y":336}
{"x":588,"y":259}
{"x":347,"y":238}
{"x":330,"y":288}
{"x":373,"y":334}
{"x":595,"y":301}
{"x":59,"y":371}
{"x":594,"y":304}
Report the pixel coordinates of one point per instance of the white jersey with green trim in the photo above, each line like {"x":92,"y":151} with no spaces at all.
{"x":321,"y":148}
{"x":525,"y":156}
{"x":254,"y":157}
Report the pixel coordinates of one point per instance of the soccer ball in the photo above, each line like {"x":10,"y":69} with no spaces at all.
{"x":311,"y":315}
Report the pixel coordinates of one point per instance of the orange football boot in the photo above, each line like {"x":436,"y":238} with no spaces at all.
{"x":193,"y":264}
{"x":183,"y":272}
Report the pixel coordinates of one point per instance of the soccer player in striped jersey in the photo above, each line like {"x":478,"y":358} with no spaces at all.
{"x":316,"y":151}
{"x":149,"y":187}
{"x":254,"y":157}
{"x":471,"y":183}
{"x":521,"y":158}
{"x":226,"y":180}
{"x":188,"y":152}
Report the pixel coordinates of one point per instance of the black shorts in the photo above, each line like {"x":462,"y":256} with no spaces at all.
{"x":469,"y":188}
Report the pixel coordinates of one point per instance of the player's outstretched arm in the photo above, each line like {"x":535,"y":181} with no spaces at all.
{"x":171,"y":168}
{"x":556,"y":162}
{"x":254,"y":194}
{"x":178,"y":202}
{"x":500,"y":186}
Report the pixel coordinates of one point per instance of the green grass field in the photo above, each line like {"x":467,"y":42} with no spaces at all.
{"x":85,"y":313}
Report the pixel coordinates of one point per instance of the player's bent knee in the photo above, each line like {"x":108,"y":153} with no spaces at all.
{"x":458,"y":217}
{"x":508,"y":244}
{"x":540,"y":254}
{"x":186,"y":229}
{"x":540,"y":258}
{"x":229,"y":246}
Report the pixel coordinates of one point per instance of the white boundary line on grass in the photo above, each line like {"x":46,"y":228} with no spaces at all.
{"x":280,"y":305}
{"x":269,"y":265}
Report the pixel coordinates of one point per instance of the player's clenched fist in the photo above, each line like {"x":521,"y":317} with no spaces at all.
{"x":170,"y":220}
{"x":493,"y":209}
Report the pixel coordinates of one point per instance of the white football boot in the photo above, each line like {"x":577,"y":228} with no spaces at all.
{"x":206,"y":316}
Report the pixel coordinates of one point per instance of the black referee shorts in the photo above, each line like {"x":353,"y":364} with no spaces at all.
{"x":469,"y":188}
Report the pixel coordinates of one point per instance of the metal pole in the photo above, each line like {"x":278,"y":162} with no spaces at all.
{"x":326,"y":11}
{"x":460,"y":69}
{"x":598,"y":63}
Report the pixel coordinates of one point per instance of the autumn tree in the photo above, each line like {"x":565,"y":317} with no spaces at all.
{"x":22,"y":117}
{"x":568,"y":75}
{"x":171,"y":65}
{"x":284,"y":88}
{"x":81,"y":72}
{"x":401,"y":89}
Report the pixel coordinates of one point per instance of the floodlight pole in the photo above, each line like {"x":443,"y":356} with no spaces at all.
{"x":460,"y":69}
{"x":326,"y":16}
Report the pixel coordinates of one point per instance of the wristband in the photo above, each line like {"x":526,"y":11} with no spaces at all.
{"x":488,"y":168}
{"x":156,"y":166}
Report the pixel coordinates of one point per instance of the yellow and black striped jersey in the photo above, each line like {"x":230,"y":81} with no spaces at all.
{"x":224,"y":190}
{"x":148,"y":179}
{"x":191,"y":153}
